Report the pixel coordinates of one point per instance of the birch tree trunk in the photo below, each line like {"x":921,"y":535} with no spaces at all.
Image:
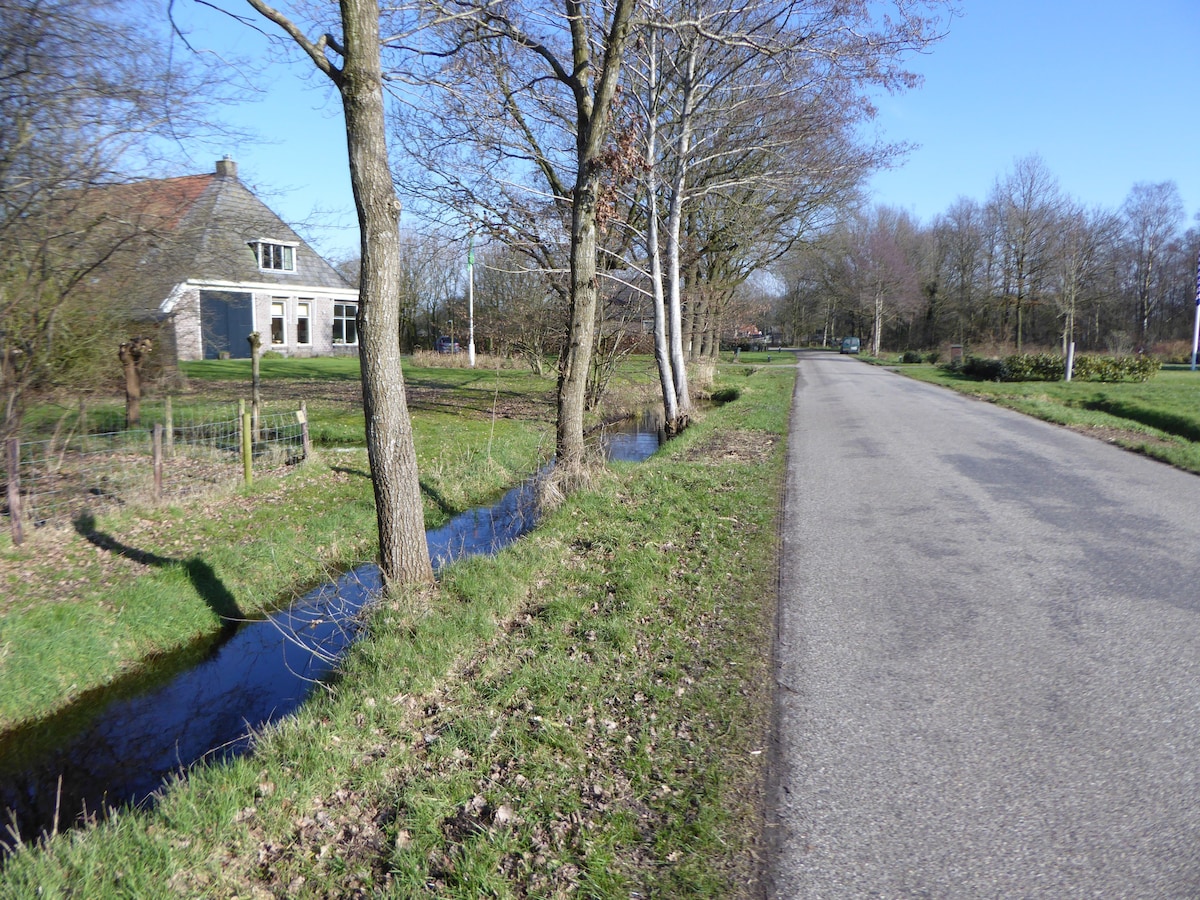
{"x":662,"y":350}
{"x":674,"y":241}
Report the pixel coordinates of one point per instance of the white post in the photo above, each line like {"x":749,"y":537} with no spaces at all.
{"x":1070,"y":359}
{"x":471,"y":301}
{"x":1196,"y":329}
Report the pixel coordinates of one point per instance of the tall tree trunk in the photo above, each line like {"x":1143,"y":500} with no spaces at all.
{"x":662,"y":346}
{"x":877,"y":321}
{"x":593,"y":120}
{"x":675,"y":240}
{"x":581,"y":332}
{"x":403,"y":549}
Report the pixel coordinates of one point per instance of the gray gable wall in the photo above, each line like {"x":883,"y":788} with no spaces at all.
{"x":191,"y":242}
{"x":213,"y":241}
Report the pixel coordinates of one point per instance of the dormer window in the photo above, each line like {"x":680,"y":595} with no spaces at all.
{"x":275,"y":256}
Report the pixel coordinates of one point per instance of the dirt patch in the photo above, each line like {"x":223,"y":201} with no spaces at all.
{"x":66,"y":563}
{"x":348,"y":393}
{"x":506,"y":406}
{"x":1122,"y":437}
{"x":740,"y":446}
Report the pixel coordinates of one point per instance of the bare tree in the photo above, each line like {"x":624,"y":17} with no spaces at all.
{"x":752,"y":114}
{"x":961,"y":236}
{"x":87,"y":94}
{"x":517,"y":104}
{"x":353,"y":63}
{"x":1153,"y":215}
{"x":1025,"y":204}
{"x":1081,"y":246}
{"x":862,"y":273}
{"x":523,"y":311}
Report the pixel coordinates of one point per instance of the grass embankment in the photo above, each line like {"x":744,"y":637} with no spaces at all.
{"x":584,"y":714}
{"x":1160,"y":417}
{"x":81,"y":606}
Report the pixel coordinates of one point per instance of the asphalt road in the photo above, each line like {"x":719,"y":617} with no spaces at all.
{"x":989,"y":653}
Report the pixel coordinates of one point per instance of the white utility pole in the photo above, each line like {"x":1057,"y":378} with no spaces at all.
{"x":471,"y":301}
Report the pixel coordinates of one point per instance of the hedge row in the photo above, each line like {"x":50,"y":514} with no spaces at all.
{"x":1050,"y":367}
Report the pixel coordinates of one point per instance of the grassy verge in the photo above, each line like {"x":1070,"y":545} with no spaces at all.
{"x":81,"y":606}
{"x":1160,"y":417}
{"x":584,"y":714}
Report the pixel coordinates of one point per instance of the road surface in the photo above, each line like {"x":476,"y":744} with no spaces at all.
{"x":989,"y":653}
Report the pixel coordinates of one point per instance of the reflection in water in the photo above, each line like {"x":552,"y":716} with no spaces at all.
{"x":124,"y":750}
{"x":634,"y":439}
{"x":118,"y":747}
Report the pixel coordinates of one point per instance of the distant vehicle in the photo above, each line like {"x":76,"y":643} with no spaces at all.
{"x":446,"y":345}
{"x":850,"y":345}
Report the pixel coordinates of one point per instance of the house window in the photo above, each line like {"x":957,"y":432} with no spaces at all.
{"x":274,"y":257}
{"x":303,"y":316}
{"x":278,"y":308}
{"x":345,"y":326}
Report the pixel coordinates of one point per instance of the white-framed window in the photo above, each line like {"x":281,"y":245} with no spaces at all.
{"x":275,"y":256}
{"x":304,"y":322}
{"x":278,"y":318}
{"x":345,"y":323}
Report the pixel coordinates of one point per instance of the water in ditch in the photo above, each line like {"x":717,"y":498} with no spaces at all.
{"x":117,"y":745}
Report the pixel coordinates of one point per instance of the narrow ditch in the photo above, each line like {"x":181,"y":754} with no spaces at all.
{"x":116,"y":746}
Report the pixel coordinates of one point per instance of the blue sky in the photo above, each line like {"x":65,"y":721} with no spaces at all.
{"x":1106,"y":92}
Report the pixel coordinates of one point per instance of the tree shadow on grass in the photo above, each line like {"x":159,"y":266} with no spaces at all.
{"x":210,"y":588}
{"x":346,"y":470}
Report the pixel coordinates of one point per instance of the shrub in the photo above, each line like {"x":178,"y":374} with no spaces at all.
{"x":933,"y":356}
{"x":1115,"y":368}
{"x":910,"y":356}
{"x":1051,"y":367}
{"x":984,"y":369}
{"x":1035,"y":367}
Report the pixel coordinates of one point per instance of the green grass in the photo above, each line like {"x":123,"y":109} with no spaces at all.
{"x":330,"y":386}
{"x":585,"y":713}
{"x":323,"y":368}
{"x":84,"y":605}
{"x":1160,"y":417}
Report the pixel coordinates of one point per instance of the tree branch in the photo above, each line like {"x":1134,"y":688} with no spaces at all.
{"x":315,"y":50}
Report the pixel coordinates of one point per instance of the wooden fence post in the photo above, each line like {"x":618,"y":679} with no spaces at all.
{"x":305,"y":438}
{"x":255,"y":340}
{"x":247,"y":449}
{"x":158,"y":462}
{"x":169,"y":426}
{"x":14,"y":491}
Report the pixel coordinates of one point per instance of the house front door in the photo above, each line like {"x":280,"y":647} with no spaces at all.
{"x":226,"y":320}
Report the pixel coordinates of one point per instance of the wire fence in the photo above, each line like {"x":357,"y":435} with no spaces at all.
{"x":53,"y":480}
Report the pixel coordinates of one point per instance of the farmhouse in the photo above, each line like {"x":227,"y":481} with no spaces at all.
{"x":213,"y":263}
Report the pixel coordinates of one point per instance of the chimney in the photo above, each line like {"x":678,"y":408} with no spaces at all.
{"x":226,"y":168}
